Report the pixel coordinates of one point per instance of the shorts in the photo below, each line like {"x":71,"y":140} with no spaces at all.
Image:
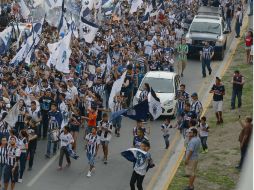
{"x":217,"y":105}
{"x":191,"y":168}
{"x":104,"y":142}
{"x":8,"y":175}
{"x":91,"y":159}
{"x":247,"y":47}
{"x":74,"y":128}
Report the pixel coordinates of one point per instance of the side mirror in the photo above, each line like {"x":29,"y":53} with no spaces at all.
{"x":225,"y":32}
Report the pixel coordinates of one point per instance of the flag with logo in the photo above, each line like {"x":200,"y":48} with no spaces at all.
{"x":63,"y":54}
{"x":55,"y":3}
{"x":12,"y":116}
{"x":133,"y":153}
{"x":88,"y":30}
{"x":155,"y":108}
{"x":87,"y":6}
{"x":138,"y":112}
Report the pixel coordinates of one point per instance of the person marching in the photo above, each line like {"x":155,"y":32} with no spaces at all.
{"x":3,"y":157}
{"x":203,"y":133}
{"x":206,"y":56}
{"x":66,"y":139}
{"x":23,"y":146}
{"x":92,"y":145}
{"x":105,"y":130}
{"x":11,"y":171}
{"x":182,"y":51}
{"x":165,"y":129}
{"x":118,"y":106}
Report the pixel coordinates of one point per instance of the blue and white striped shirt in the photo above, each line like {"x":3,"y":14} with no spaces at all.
{"x":92,"y":143}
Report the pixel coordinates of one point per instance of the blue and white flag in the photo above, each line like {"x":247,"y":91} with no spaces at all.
{"x":60,"y":54}
{"x":5,"y":37}
{"x":87,"y":6}
{"x":116,"y":89}
{"x":132,"y":153}
{"x":109,"y":64}
{"x":155,"y":108}
{"x":73,"y":28}
{"x":63,"y":28}
{"x":88,"y":30}
{"x":135,"y":5}
{"x":24,"y":11}
{"x":106,"y":3}
{"x":138,"y":112}
{"x":148,"y":10}
{"x":73,"y":7}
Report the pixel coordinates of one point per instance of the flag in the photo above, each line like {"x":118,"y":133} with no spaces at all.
{"x":12,"y":116}
{"x":154,"y":105}
{"x":5,"y":37}
{"x":87,"y":6}
{"x":116,"y":88}
{"x":106,"y":3}
{"x":73,"y":28}
{"x":88,"y":30}
{"x":116,"y":114}
{"x":24,"y":11}
{"x":55,"y":3}
{"x":135,"y":5}
{"x":73,"y":7}
{"x":63,"y":54}
{"x":148,"y":10}
{"x":132,"y":153}
{"x":138,"y":112}
{"x":109,"y":64}
{"x":63,"y":28}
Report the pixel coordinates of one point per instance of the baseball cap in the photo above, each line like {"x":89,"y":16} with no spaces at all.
{"x":194,"y":94}
{"x":218,"y":78}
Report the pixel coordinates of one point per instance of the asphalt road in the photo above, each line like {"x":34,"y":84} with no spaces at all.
{"x":116,"y":174}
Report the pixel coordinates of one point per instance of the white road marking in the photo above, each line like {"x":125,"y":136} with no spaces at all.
{"x":36,"y":177}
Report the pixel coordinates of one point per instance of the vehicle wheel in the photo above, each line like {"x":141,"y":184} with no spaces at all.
{"x":221,"y":56}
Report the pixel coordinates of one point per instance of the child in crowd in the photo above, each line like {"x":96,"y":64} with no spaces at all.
{"x":203,"y":133}
{"x":139,"y":138}
{"x":139,"y":126}
{"x":165,"y":130}
{"x":92,"y":144}
{"x":104,"y":131}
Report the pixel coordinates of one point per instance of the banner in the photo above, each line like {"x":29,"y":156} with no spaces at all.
{"x":88,"y":30}
{"x":154,"y":105}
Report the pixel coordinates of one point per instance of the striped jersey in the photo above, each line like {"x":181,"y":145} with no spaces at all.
{"x":206,"y":52}
{"x":92,"y":143}
{"x":3,"y":155}
{"x":196,"y":107}
{"x":12,"y":154}
{"x":182,"y":97}
{"x":143,"y":95}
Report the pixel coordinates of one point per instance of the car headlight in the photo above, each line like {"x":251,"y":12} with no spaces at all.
{"x":169,"y":103}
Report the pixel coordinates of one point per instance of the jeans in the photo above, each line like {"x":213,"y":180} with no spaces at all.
{"x":63,"y":151}
{"x":31,"y":152}
{"x":166,"y":139}
{"x":228,"y":22}
{"x":45,"y":122}
{"x":22,"y":160}
{"x":136,"y":178}
{"x":206,"y":63}
{"x":107,"y":94}
{"x":203,"y":142}
{"x":238,"y":94}
{"x":50,"y":142}
{"x":244,"y":150}
{"x":237,"y":28}
{"x":2,"y":166}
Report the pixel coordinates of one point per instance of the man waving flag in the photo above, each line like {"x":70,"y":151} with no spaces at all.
{"x":154,"y":104}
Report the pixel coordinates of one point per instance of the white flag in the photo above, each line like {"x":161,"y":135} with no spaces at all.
{"x":55,"y":3}
{"x":63,"y":54}
{"x":12,"y":116}
{"x":24,"y":11}
{"x":88,"y":30}
{"x":135,"y":5}
{"x":64,"y":27}
{"x":155,"y":108}
{"x":5,"y":36}
{"x":116,"y":88}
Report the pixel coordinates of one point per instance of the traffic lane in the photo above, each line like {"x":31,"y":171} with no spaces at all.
{"x":115,"y":175}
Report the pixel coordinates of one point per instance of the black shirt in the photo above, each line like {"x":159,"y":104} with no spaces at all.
{"x":218,"y":91}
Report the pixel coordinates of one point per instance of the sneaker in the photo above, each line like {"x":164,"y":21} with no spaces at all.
{"x":203,"y":152}
{"x":68,"y":165}
{"x":181,"y":74}
{"x":206,"y":150}
{"x":89,"y":174}
{"x":210,"y":72}
{"x":47,"y":156}
{"x":19,"y":180}
{"x":105,"y":161}
{"x":29,"y":169}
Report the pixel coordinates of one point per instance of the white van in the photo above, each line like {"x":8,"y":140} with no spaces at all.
{"x":165,"y":85}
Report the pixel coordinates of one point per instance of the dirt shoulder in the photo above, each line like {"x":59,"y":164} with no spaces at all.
{"x":216,"y":169}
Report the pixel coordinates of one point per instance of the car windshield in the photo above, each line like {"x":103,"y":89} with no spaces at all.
{"x":159,"y":85}
{"x":205,"y":27}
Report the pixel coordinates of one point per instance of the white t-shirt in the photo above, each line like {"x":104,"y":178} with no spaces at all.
{"x":202,"y":129}
{"x":66,"y":139}
{"x":148,"y":47}
{"x":73,"y":91}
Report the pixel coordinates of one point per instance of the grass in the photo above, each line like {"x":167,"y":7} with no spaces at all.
{"x":216,"y":169}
